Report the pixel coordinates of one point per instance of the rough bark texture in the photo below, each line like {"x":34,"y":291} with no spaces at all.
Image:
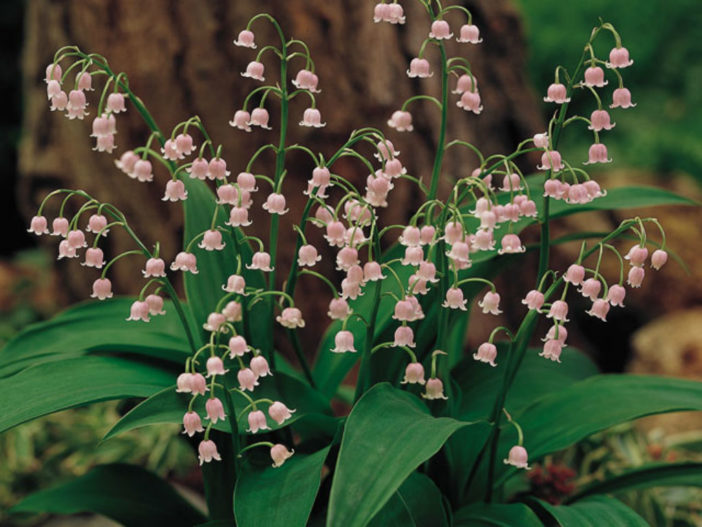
{"x":180,"y":59}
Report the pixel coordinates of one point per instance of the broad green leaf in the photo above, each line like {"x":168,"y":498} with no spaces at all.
{"x":96,"y":326}
{"x":597,"y":511}
{"x":418,"y":502}
{"x":686,"y":474}
{"x":168,"y":406}
{"x":281,"y":496}
{"x":387,"y":435}
{"x":536,"y":378}
{"x":125,"y":493}
{"x":501,"y":515}
{"x":48,"y":388}
{"x":556,"y":421}
{"x":204,"y":290}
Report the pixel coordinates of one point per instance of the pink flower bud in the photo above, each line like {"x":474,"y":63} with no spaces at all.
{"x":541,"y":140}
{"x":615,"y":295}
{"x":279,"y":412}
{"x":414,"y":374}
{"x":38,"y":226}
{"x":312,"y":118}
{"x":94,"y":258}
{"x":534,"y":299}
{"x":558,"y":311}
{"x":279,"y":454}
{"x":207,"y":451}
{"x":343,"y":342}
{"x":215,"y":410}
{"x":621,"y":98}
{"x":619,"y":58}
{"x":241,"y":120}
{"x":517,"y":457}
{"x":419,"y":68}
{"x":658,"y":259}
{"x":254,"y":71}
{"x":139,"y":311}
{"x":245,"y":39}
{"x":487,"y":352}
{"x":557,"y":93}
{"x":257,"y":421}
{"x":594,"y":77}
{"x":454,"y":299}
{"x":636,"y":276}
{"x":401,"y":121}
{"x":440,"y":30}
{"x":247,"y":379}
{"x":192,"y":424}
{"x":259,"y":365}
{"x":469,"y":33}
{"x":552,"y":350}
{"x":102,"y":289}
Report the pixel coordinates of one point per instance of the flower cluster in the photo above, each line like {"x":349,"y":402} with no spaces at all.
{"x":435,"y":248}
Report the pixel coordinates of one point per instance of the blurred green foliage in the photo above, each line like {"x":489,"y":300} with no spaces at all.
{"x":664,"y":132}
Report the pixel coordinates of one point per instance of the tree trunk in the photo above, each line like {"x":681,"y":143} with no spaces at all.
{"x":181,"y":61}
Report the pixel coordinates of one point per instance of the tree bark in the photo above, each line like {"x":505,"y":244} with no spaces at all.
{"x":181,"y":61}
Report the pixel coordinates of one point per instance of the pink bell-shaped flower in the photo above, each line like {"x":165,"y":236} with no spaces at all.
{"x":636,"y":276}
{"x":404,"y":336}
{"x":511,"y":244}
{"x":245,"y":39}
{"x":621,"y":98}
{"x":454,"y":299}
{"x":575,"y":274}
{"x":487,"y":352}
{"x":139,"y":311}
{"x":338,"y":309}
{"x":175,"y":191}
{"x":518,"y":457}
{"x":257,"y":421}
{"x":38,"y":226}
{"x":637,"y":255}
{"x":615,"y":295}
{"x":534,"y":299}
{"x":215,"y":410}
{"x":260,"y":117}
{"x":434,"y":389}
{"x":247,"y":379}
{"x":241,"y":120}
{"x":597,"y":154}
{"x":275,"y":204}
{"x":215,"y":366}
{"x":102,"y":289}
{"x":490,"y":303}
{"x":154,"y":267}
{"x":440,"y":30}
{"x":557,"y":93}
{"x":198,"y":384}
{"x":59,"y":227}
{"x":591,"y":288}
{"x":619,"y":58}
{"x":260,"y":260}
{"x":211,"y":241}
{"x":279,"y":412}
{"x":600,"y":120}
{"x":259,"y":365}
{"x":237,"y":346}
{"x":207,"y":451}
{"x":155,"y":303}
{"x":291,"y":318}
{"x":215,"y":321}
{"x":551,"y":160}
{"x":552,"y":350}
{"x":600,"y":308}
{"x":470,"y":102}
{"x":343,"y":342}
{"x":312,"y":118}
{"x":401,"y":121}
{"x":185,"y":262}
{"x":414,"y":374}
{"x":419,"y":68}
{"x":469,"y":33}
{"x":254,"y":70}
{"x":94,"y":258}
{"x":192,"y":424}
{"x":594,"y":77}
{"x":306,"y":80}
{"x":279,"y":454}
{"x":558,"y":311}
{"x":658,"y":259}
{"x":115,"y":103}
